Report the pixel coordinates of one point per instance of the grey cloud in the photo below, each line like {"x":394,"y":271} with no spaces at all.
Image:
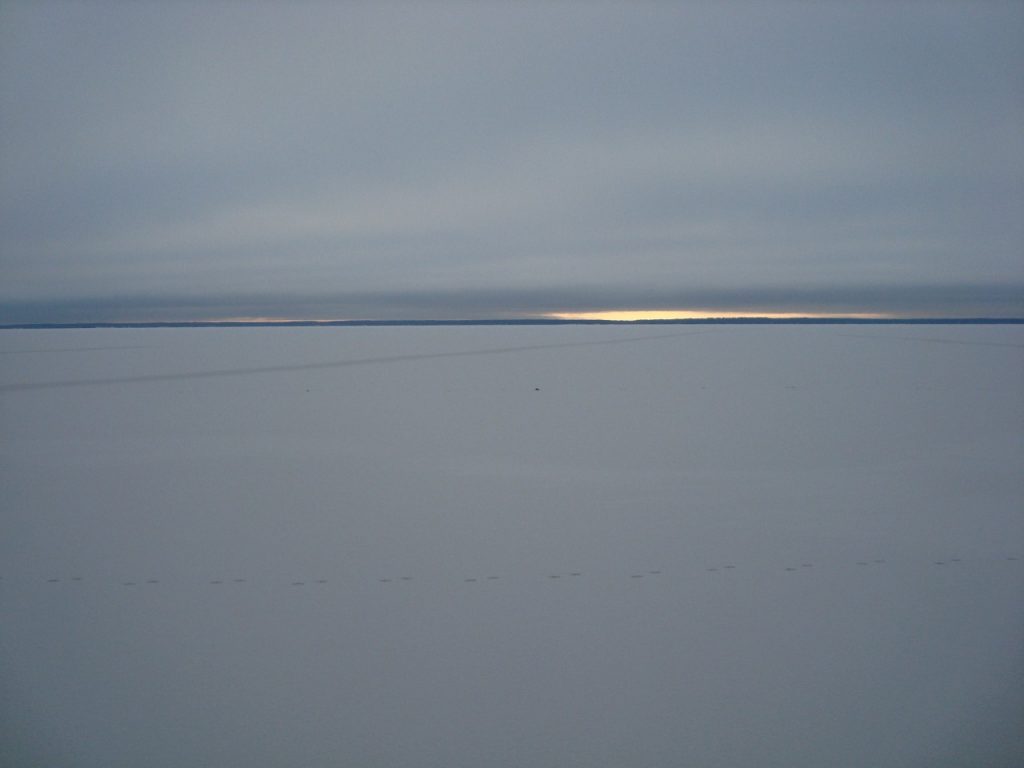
{"x":190,"y":150}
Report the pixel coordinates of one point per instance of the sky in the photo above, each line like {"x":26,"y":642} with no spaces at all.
{"x":194,"y":161}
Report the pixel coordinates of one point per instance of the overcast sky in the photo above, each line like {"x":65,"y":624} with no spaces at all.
{"x":187,"y":161}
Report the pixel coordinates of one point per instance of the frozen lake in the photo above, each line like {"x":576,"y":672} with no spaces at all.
{"x":621,"y":547}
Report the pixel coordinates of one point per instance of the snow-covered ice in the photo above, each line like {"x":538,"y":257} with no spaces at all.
{"x":633,"y":546}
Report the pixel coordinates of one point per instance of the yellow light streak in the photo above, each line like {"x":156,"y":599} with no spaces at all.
{"x":632,"y":315}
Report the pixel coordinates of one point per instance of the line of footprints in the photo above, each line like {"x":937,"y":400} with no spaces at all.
{"x":471,"y":579}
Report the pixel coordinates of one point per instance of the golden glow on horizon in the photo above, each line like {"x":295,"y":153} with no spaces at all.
{"x":618,"y":315}
{"x":627,"y":315}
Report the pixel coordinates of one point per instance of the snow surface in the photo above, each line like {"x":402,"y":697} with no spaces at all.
{"x":512,"y":546}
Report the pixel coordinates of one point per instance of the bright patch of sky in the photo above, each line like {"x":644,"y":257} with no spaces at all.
{"x":699,"y":314}
{"x":197,"y":160}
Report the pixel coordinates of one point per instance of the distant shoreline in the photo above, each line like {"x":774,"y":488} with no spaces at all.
{"x":522,"y":322}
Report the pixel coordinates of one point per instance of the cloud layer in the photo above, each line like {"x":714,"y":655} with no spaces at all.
{"x":484,"y":160}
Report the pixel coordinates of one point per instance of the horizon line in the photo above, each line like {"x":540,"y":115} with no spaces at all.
{"x":795,"y":319}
